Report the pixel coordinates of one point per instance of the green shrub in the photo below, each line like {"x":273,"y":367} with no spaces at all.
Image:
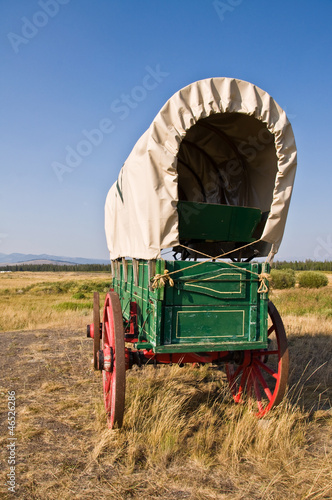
{"x":79,"y":295}
{"x":282,"y":279}
{"x":104,"y":286}
{"x":51,"y":287}
{"x":72,"y":306}
{"x":94,"y":286}
{"x":312,"y":279}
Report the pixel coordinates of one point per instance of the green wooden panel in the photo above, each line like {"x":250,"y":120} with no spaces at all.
{"x":209,"y":283}
{"x":208,"y":325}
{"x":223,"y":284}
{"x":195,"y":329}
{"x":205,"y":221}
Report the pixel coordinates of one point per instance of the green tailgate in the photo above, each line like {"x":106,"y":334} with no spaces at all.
{"x":211,"y":307}
{"x":214,"y":307}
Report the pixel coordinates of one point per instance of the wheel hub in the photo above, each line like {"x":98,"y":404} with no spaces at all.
{"x":242,"y":358}
{"x":106,"y":359}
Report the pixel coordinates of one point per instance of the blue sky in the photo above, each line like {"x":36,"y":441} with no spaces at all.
{"x":67,"y":64}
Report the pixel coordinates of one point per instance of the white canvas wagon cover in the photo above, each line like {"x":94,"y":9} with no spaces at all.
{"x":219,"y":140}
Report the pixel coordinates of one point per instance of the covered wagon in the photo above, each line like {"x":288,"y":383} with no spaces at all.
{"x":210,"y":181}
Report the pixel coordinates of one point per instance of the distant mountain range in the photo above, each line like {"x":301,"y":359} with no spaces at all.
{"x":21,"y":258}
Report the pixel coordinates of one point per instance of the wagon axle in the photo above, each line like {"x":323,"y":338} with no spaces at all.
{"x":143,"y":356}
{"x":138,"y":357}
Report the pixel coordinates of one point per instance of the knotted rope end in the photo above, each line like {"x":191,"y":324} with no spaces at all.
{"x":263,"y":287}
{"x":160,"y":280}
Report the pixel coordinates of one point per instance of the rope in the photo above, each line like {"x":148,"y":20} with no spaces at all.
{"x":160,"y":280}
{"x":263,"y":288}
{"x":221,"y":255}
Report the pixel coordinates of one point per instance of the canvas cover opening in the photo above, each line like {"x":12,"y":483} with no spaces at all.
{"x":218,"y":141}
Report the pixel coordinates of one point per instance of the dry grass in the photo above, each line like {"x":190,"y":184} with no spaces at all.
{"x":182,"y":436}
{"x":46,"y":300}
{"x":303,"y":301}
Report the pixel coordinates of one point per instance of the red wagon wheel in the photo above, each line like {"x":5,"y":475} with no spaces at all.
{"x":114,"y":369}
{"x":261,"y":375}
{"x":96,"y":330}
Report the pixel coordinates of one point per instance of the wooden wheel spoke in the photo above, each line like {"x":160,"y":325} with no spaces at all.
{"x":106,"y":384}
{"x":108,"y":331}
{"x":236,"y":373}
{"x":263,"y":382}
{"x":111,"y":321}
{"x":266,"y":368}
{"x":270,"y":330}
{"x":249,"y":381}
{"x":243,"y":382}
{"x":257,"y":391}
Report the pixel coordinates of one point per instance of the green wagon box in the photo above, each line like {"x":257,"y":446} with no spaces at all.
{"x":222,"y":302}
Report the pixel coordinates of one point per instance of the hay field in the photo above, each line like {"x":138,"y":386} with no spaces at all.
{"x":182,"y":437}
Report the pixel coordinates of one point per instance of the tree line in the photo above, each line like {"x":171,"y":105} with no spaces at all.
{"x":307,"y":265}
{"x":56,"y":268}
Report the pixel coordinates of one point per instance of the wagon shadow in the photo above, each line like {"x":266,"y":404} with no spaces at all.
{"x":310,"y":378}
